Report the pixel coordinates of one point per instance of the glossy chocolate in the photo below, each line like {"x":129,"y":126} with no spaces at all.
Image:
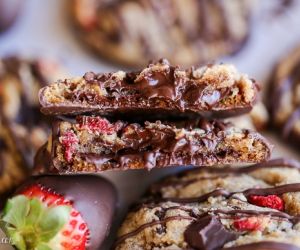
{"x":157,"y":145}
{"x":150,"y":91}
{"x":208,"y":233}
{"x":93,"y":196}
{"x":225,"y":172}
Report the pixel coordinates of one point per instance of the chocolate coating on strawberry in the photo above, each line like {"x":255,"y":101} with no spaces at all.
{"x":87,"y":204}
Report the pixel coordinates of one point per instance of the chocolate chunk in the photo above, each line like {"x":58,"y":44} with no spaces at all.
{"x":208,"y":233}
{"x":95,"y":144}
{"x":213,"y":90}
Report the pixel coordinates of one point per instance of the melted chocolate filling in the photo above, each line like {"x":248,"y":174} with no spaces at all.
{"x":156,"y":90}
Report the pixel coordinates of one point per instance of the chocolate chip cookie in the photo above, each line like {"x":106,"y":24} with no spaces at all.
{"x":23,"y":128}
{"x":255,"y":207}
{"x":217,"y":90}
{"x":285,"y":97}
{"x":94,"y":144}
{"x":186,"y":32}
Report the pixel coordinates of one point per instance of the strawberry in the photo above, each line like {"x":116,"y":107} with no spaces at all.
{"x":69,"y":140}
{"x":96,"y":124}
{"x":271,"y":201}
{"x":38,"y":218}
{"x":250,"y":223}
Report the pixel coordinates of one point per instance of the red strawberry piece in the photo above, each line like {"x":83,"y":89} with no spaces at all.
{"x":97,"y":124}
{"x":271,"y":201}
{"x":74,"y":234}
{"x":69,"y":140}
{"x":250,"y":224}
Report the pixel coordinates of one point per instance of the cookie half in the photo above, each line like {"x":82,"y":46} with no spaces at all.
{"x":94,"y":144}
{"x":255,"y":207}
{"x":217,"y":90}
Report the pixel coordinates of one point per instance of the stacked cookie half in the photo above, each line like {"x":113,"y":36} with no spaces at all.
{"x":157,"y":117}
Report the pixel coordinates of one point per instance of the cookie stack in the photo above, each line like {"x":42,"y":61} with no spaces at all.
{"x":116,"y":125}
{"x":161,"y":116}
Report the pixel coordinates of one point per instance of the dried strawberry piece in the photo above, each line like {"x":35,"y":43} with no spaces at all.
{"x":271,"y":201}
{"x":97,"y":124}
{"x":249,"y":224}
{"x":69,"y":141}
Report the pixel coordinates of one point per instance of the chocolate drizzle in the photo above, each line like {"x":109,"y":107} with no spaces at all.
{"x":277,"y":190}
{"x":224,"y":172}
{"x":206,"y":232}
{"x":201,"y":38}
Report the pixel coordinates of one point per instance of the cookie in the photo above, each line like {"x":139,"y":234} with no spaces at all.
{"x":94,"y":144}
{"x":22,"y":128}
{"x":133,"y":32}
{"x":284,"y":103}
{"x":217,"y":90}
{"x":258,"y":119}
{"x":255,"y":207}
{"x":9,"y":11}
{"x":60,"y":212}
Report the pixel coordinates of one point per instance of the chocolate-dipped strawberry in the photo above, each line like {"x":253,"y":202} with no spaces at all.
{"x":60,"y":212}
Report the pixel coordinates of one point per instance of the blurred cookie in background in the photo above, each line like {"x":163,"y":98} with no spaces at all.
{"x":284,"y":103}
{"x":258,"y":119}
{"x":23,"y":129}
{"x":186,"y":32}
{"x":9,"y":12}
